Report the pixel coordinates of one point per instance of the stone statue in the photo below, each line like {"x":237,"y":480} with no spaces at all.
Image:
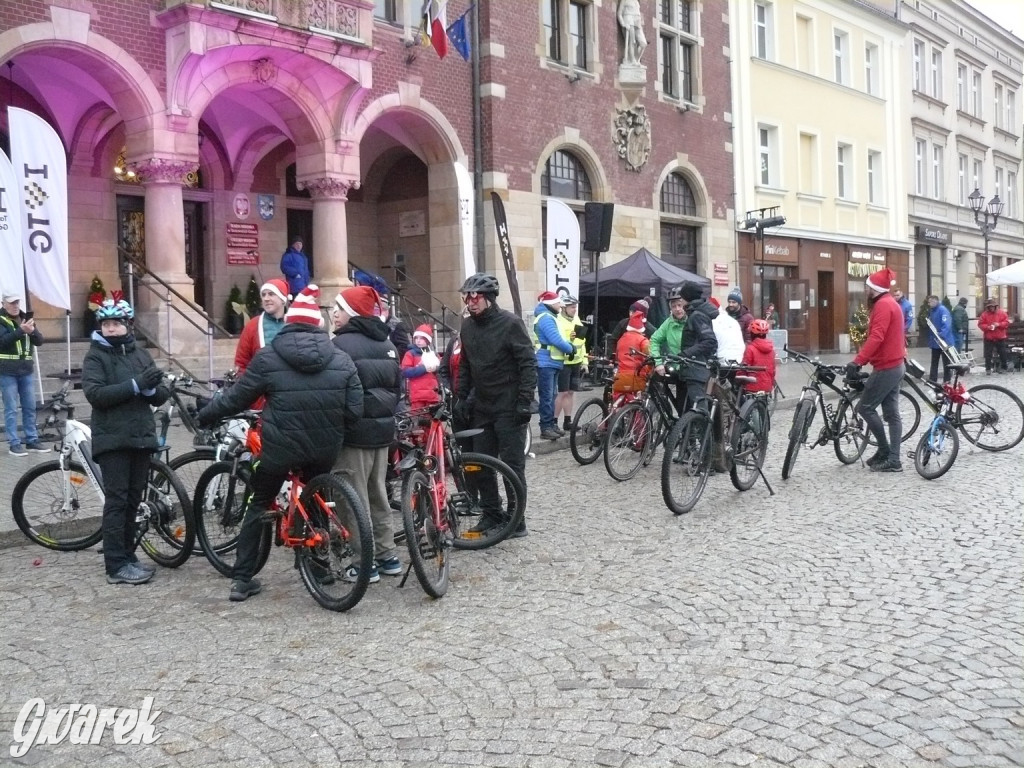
{"x":631,"y":21}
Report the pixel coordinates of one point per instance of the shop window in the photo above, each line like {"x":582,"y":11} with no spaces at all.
{"x":771,"y":283}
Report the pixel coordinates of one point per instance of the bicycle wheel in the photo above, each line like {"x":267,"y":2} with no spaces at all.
{"x":749,"y":441}
{"x":910,"y":417}
{"x":659,"y":431}
{"x":629,"y":438}
{"x":797,"y":435}
{"x":189,"y":467}
{"x":487,"y":501}
{"x":58,"y":509}
{"x":166,"y":525}
{"x":430,"y":544}
{"x":936,"y":450}
{"x":219,"y":505}
{"x":849,"y":440}
{"x":586,"y":435}
{"x":993,"y":419}
{"x":687,"y":462}
{"x":344,"y":536}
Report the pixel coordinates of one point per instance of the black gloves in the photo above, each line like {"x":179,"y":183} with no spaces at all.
{"x":852,"y":369}
{"x":571,"y":354}
{"x":462,"y":411}
{"x":150,"y":378}
{"x":523,"y":413}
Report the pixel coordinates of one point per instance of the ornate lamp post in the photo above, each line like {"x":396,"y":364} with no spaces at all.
{"x":986,"y":218}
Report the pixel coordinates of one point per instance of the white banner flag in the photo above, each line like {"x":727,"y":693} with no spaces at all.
{"x":563,"y":249}
{"x":41,"y":170}
{"x":12,"y":265}
{"x":466,"y":199}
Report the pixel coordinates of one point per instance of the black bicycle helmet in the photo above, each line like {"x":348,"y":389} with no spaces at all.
{"x":675,"y":292}
{"x":481,"y":282}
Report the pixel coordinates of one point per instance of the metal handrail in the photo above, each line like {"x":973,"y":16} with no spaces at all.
{"x":397,"y":292}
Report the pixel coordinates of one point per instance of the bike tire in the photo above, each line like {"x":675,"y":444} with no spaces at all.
{"x":475,"y":525}
{"x":37,"y":506}
{"x":749,"y":442}
{"x":659,"y":431}
{"x":167,"y":531}
{"x":910,"y":417}
{"x":936,"y":450}
{"x":346,"y":538}
{"x":219,"y":505}
{"x":629,"y":437}
{"x":430,"y":547}
{"x":993,"y":419}
{"x":797,"y":435}
{"x":687,"y":462}
{"x":586,"y":435}
{"x":189,"y":467}
{"x":850,"y":440}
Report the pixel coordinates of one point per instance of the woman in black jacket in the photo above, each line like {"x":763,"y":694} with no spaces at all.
{"x":121,"y":382}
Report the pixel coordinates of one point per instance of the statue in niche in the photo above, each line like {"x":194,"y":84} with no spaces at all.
{"x":631,"y":134}
{"x":631,"y":21}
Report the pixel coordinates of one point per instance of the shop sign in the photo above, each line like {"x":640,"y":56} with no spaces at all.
{"x":243,"y":243}
{"x":772,"y":249}
{"x":926,"y":233}
{"x":824,"y":255}
{"x":858,"y":255}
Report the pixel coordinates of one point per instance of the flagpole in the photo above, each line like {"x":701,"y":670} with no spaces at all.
{"x":67,"y":336}
{"x":478,"y":148}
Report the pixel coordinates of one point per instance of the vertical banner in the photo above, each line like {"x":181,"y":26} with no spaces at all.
{"x":466,"y":201}
{"x":501,"y":224}
{"x":12,"y":265}
{"x":562,"y":249}
{"x":40,"y":168}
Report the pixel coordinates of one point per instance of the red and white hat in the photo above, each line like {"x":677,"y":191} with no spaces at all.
{"x":360,"y":301}
{"x":306,"y":307}
{"x":278,"y":287}
{"x":550,"y":299}
{"x":424,"y":331}
{"x":637,"y":322}
{"x":881,"y":281}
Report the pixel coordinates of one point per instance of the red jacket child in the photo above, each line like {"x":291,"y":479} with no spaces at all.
{"x":627,"y":378}
{"x":419,"y":366}
{"x":760,"y":352}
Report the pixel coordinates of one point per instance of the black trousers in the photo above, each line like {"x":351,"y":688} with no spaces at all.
{"x":124,"y":481}
{"x":992,"y":349}
{"x":504,"y":438}
{"x":933,"y":373}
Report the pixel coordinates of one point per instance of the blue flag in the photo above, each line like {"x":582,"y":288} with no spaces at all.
{"x":457,"y":34}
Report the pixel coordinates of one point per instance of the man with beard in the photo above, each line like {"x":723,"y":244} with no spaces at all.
{"x":737,"y":310}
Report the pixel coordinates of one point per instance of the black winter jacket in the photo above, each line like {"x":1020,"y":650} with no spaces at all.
{"x":365,"y":339}
{"x":121,"y":416}
{"x":13,"y":341}
{"x":699,"y":339}
{"x":497,"y":364}
{"x":313,"y":396}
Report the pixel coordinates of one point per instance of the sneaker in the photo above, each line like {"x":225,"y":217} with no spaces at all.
{"x":392,"y":566}
{"x":484,"y":524}
{"x":144,"y":567}
{"x":892,"y":464}
{"x":129,"y":573}
{"x":352,"y":574}
{"x":519,"y":533}
{"x":243,"y":590}
{"x":879,"y":458}
{"x":37,"y":447}
{"x":546,"y":434}
{"x":18,"y":450}
{"x":566,"y":424}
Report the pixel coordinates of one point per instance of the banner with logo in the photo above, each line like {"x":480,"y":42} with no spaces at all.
{"x":12,"y":265}
{"x":562,"y":249}
{"x":501,"y":224}
{"x":465,"y":188}
{"x":40,"y":168}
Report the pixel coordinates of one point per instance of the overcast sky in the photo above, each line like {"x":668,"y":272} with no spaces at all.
{"x":1009,"y":14}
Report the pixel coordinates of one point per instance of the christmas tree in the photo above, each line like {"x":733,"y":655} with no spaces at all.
{"x":859,"y":326}
{"x":253,"y":303}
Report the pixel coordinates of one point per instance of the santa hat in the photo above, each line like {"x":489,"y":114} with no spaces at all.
{"x":278,"y":287}
{"x":640,"y":305}
{"x":637,"y":321}
{"x":306,"y":307}
{"x":424,"y":332}
{"x":713,"y":300}
{"x":881,"y":281}
{"x":360,"y":301}
{"x":550,"y":299}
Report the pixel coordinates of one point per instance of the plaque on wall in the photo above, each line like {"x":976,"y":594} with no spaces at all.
{"x":412,"y":223}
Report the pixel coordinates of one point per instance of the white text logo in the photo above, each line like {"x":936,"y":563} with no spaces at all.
{"x":82,"y":724}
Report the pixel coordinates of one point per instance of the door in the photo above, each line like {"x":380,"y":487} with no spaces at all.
{"x":131,"y":236}
{"x":794,"y":313}
{"x":195,"y":261}
{"x":300,"y":224}
{"x":826,"y":312}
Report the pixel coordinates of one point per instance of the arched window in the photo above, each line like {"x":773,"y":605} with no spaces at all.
{"x":565,"y":176}
{"x":678,"y":240}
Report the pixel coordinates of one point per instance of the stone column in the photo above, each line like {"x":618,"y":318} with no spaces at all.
{"x":330,"y":232}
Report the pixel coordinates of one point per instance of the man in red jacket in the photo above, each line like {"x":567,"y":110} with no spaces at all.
{"x":993,"y":323}
{"x":884,"y":347}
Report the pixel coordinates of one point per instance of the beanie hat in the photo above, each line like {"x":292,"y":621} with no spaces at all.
{"x":713,"y":300}
{"x":378,"y":283}
{"x":278,"y":287}
{"x":640,"y":305}
{"x":425,"y":332}
{"x":991,"y":301}
{"x":637,"y":321}
{"x":735,"y":295}
{"x":881,"y":281}
{"x":550,"y":299}
{"x":306,"y":307}
{"x":360,"y":301}
{"x":691,"y":291}
{"x":963,"y":301}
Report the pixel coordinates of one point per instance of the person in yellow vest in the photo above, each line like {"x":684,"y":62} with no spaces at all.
{"x":18,"y":335}
{"x":551,"y":350}
{"x":571,"y":376}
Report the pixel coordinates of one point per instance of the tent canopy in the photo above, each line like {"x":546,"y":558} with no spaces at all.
{"x":636,"y":275}
{"x":1011,"y":274}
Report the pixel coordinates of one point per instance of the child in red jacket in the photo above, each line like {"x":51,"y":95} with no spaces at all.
{"x":419,"y":368}
{"x":761,"y":352}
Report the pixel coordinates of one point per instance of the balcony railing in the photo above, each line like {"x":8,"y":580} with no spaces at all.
{"x":347,"y":20}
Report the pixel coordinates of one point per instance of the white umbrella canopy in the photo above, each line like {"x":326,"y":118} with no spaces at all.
{"x":1011,"y":274}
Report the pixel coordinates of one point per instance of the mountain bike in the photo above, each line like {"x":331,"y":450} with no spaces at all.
{"x":59,"y":504}
{"x":638,"y":428}
{"x":690,"y":445}
{"x":590,"y":422}
{"x":842,"y":426}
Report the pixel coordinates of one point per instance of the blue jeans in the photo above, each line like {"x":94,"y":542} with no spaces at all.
{"x":15,"y":389}
{"x":547,"y":380}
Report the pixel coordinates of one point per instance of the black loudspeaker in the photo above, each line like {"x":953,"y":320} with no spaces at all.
{"x":598,"y":221}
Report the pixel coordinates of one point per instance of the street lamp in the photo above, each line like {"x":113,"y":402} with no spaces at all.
{"x":982,"y":217}
{"x":759,"y":220}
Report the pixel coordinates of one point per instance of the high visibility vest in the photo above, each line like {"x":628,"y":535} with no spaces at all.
{"x":23,"y":345}
{"x":554,"y":352}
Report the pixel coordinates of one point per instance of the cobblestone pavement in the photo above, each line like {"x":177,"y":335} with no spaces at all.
{"x":852,"y":619}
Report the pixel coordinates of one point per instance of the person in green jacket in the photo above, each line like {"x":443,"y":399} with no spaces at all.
{"x":668,"y":339}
